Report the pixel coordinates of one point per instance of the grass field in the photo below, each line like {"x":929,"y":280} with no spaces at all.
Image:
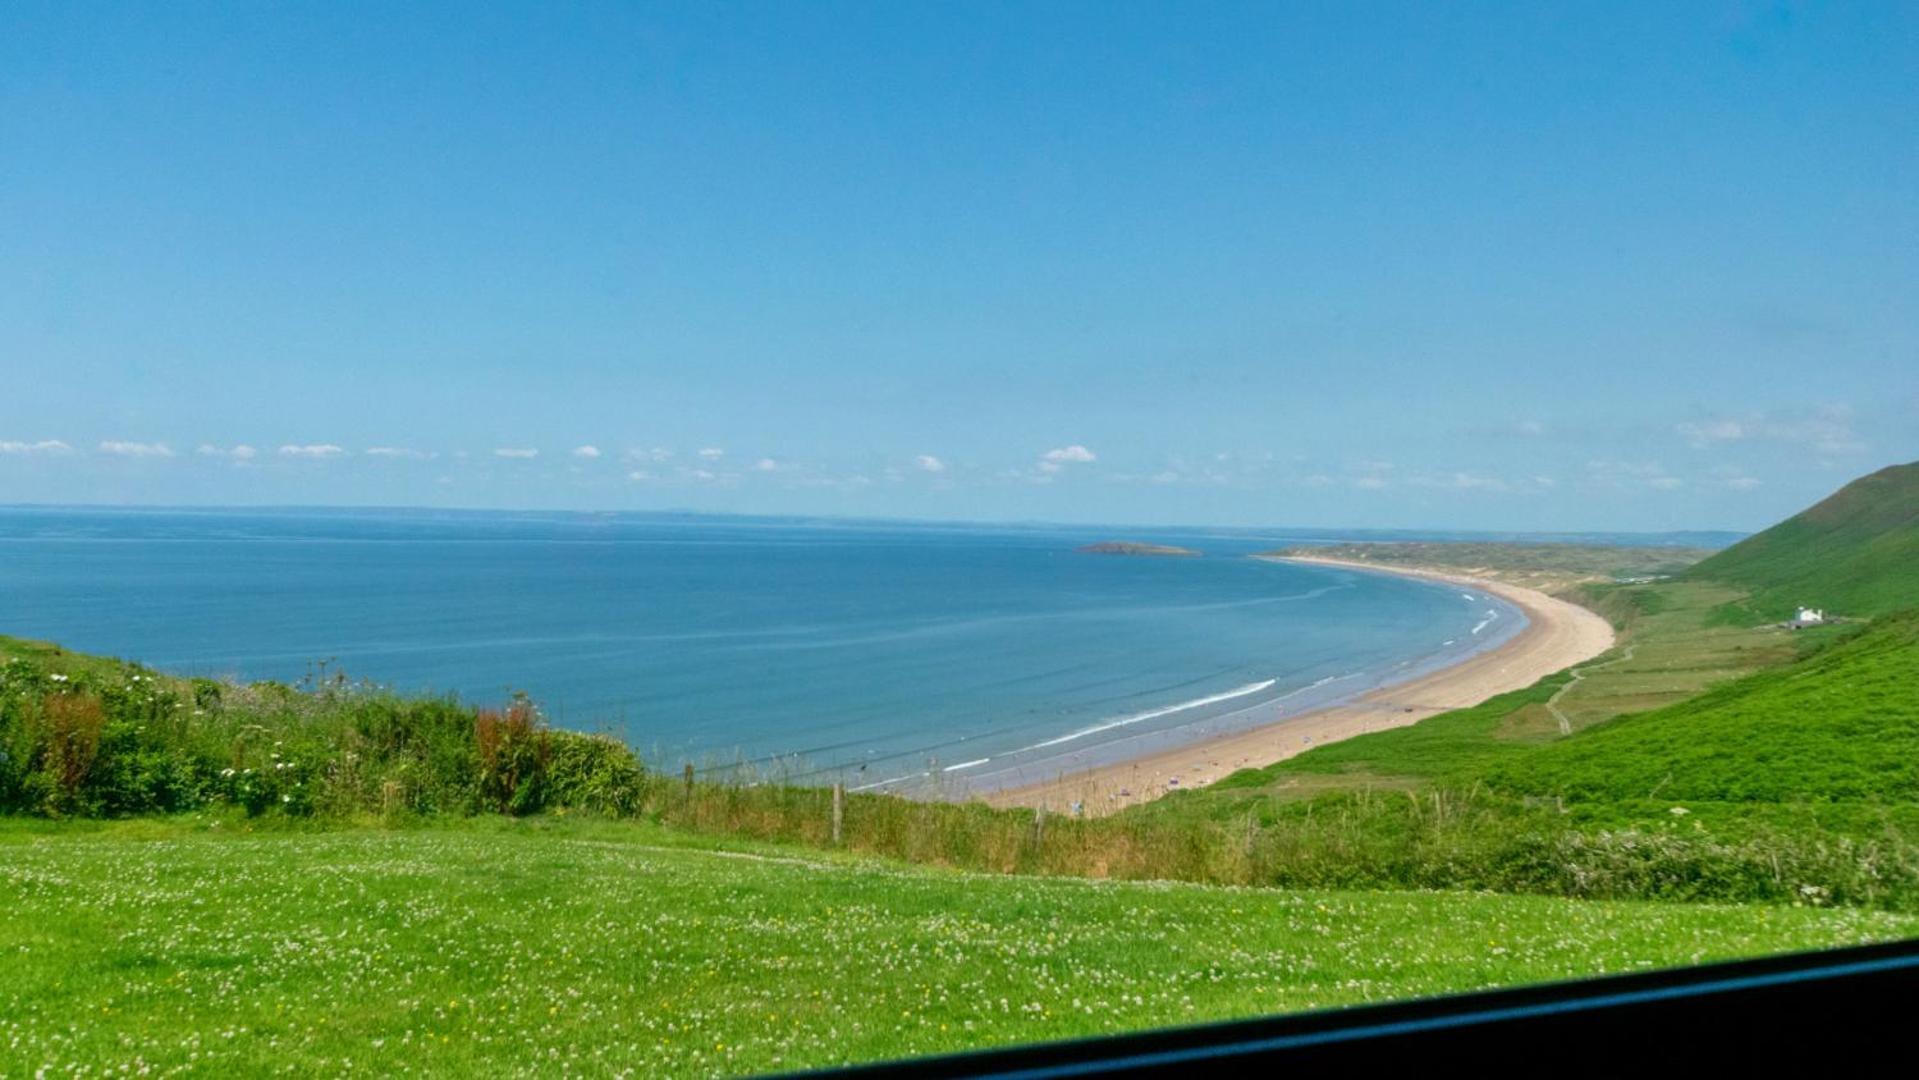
{"x":494,"y":946}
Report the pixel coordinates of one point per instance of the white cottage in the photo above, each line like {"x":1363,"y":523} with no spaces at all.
{"x":1808,"y":617}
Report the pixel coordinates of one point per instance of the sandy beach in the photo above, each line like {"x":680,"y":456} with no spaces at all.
{"x":1558,"y":635}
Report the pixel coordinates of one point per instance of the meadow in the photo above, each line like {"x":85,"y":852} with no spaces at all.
{"x":220,"y":943}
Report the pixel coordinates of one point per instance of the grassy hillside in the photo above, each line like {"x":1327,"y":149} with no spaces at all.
{"x":493,"y":947}
{"x":1676,"y":645}
{"x":1758,"y":779}
{"x":1856,"y":553}
{"x":1841,"y":725}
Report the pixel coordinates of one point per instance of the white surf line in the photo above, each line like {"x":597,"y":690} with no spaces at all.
{"x":1250,"y":688}
{"x":889,"y":783}
{"x":1152,"y":714}
{"x":1491,"y":615}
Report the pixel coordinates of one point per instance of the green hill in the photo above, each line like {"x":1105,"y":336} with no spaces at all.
{"x":1856,"y":553}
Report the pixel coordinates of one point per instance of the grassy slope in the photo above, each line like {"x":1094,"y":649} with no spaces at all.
{"x":497,"y":947}
{"x":1841,"y":725}
{"x":1679,"y":647}
{"x":1796,"y":777}
{"x":1856,"y":553}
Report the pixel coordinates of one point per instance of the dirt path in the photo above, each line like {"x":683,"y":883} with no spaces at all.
{"x":1579,"y":674}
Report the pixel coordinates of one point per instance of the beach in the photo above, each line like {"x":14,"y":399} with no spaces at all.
{"x":1558,"y":635}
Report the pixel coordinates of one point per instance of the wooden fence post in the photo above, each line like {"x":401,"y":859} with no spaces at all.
{"x":839,"y":810}
{"x":689,"y":785}
{"x":1039,"y":826}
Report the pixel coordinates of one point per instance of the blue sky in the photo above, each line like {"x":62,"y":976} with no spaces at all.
{"x":1607,"y":266}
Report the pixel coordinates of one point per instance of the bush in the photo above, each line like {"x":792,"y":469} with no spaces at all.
{"x":80,"y":735}
{"x":595,"y":773}
{"x":73,"y":724}
{"x":514,"y":750}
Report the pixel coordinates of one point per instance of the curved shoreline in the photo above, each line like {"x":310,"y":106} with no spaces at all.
{"x":1558,"y":635}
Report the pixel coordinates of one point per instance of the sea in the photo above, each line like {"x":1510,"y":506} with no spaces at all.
{"x":912,"y":657}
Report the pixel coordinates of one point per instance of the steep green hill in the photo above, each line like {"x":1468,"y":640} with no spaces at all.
{"x":1856,"y":553}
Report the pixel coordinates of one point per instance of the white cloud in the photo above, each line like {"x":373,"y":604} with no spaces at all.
{"x":44,"y":446}
{"x":929,"y":463}
{"x":1462,"y":481}
{"x":658,"y":453}
{"x":1530,"y":427}
{"x":712,"y":453}
{"x":1825,"y":430}
{"x":1074,"y":454}
{"x":1458,"y":480}
{"x":639,"y":475}
{"x":588,"y":452}
{"x":766,"y":464}
{"x":1703,"y":433}
{"x":400,"y":452}
{"x":519,"y":453}
{"x":120,"y":448}
{"x":312,"y":450}
{"x":1630,"y":474}
{"x":1743,"y":483}
{"x":242,"y":452}
{"x":701,"y":475}
{"x":1370,"y":483}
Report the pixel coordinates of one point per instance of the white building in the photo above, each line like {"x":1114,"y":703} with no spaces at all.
{"x":1809,"y":617}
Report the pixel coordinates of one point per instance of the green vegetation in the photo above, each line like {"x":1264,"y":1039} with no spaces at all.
{"x":548,"y":945}
{"x":1838,"y":727}
{"x":1674,"y":647}
{"x":1547,"y":567}
{"x":461,"y":889}
{"x":87,"y":736}
{"x":1429,"y":806}
{"x":1776,"y":765}
{"x":1855,"y":554}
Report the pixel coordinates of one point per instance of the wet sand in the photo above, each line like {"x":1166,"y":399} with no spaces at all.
{"x":1558,"y":635}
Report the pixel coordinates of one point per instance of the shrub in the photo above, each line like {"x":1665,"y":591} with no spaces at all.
{"x":73,"y":724}
{"x":594,"y":773}
{"x":514,"y":751}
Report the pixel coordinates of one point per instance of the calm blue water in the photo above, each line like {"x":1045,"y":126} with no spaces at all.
{"x":813,"y":649}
